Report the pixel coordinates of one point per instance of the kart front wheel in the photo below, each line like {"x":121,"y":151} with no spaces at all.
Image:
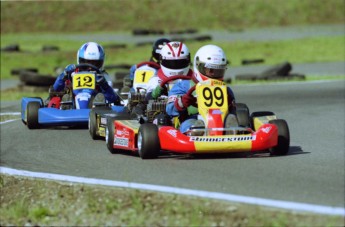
{"x":92,"y":125}
{"x":32,"y":115}
{"x":148,"y":141}
{"x":283,"y":145}
{"x":109,"y":136}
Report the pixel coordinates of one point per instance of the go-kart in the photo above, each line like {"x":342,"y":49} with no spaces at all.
{"x":260,"y":131}
{"x":136,"y":102}
{"x":71,"y":112}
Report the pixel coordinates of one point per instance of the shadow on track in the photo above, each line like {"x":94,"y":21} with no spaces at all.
{"x":294,"y":150}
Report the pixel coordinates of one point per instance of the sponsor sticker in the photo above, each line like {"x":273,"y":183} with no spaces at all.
{"x":123,"y":142}
{"x":103,"y":121}
{"x":173,"y":132}
{"x":123,"y":132}
{"x":217,"y":112}
{"x":110,"y":115}
{"x":267,"y":129}
{"x":221,"y":139}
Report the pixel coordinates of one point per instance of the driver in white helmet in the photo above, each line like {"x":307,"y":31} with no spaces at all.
{"x":174,"y":61}
{"x":89,"y":53}
{"x":210,"y":62}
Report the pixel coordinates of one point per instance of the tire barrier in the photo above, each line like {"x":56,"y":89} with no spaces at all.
{"x":277,"y":72}
{"x":203,"y":38}
{"x":50,"y":48}
{"x":180,"y":32}
{"x":144,"y":43}
{"x":35,"y":79}
{"x":11,"y":48}
{"x":140,"y":31}
{"x":252,"y":61}
{"x":17,"y":71}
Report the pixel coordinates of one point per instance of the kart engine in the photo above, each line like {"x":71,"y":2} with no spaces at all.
{"x":147,"y":109}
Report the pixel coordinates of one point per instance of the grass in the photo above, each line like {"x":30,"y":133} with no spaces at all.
{"x":167,"y":15}
{"x":26,"y":201}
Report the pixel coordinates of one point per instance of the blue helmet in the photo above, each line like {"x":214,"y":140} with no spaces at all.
{"x":91,"y":53}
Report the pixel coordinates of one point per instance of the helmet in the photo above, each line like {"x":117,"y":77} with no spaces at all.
{"x":156,"y":48}
{"x":175,"y":59}
{"x":209,"y":62}
{"x":91,"y":53}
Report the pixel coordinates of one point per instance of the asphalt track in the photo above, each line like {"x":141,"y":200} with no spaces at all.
{"x":313,"y":172}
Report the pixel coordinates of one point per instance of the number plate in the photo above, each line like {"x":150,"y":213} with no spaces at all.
{"x":212,"y":97}
{"x":143,"y":76}
{"x":84,"y":81}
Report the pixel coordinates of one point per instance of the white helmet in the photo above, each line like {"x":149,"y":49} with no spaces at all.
{"x":209,"y":62}
{"x":175,"y":59}
{"x":91,"y":53}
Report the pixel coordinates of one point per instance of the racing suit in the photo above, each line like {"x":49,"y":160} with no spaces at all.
{"x":154,"y":84}
{"x":188,"y":116}
{"x":104,"y":81}
{"x":141,"y":80}
{"x":135,"y":67}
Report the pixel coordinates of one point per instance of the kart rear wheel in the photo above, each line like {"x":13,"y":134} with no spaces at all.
{"x":283,"y":145}
{"x":231,"y":121}
{"x":242,"y":112}
{"x":92,"y":125}
{"x":32,"y":115}
{"x":109,"y":136}
{"x":148,"y":141}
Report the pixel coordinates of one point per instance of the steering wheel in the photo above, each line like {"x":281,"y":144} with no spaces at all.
{"x":168,"y":79}
{"x":82,"y":67}
{"x":189,"y":92}
{"x":149,"y":63}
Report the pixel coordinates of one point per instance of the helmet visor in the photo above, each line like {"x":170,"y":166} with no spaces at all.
{"x":212,"y":71}
{"x":96,"y":63}
{"x":175,"y":63}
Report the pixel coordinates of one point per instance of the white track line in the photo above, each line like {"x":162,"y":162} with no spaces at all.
{"x":8,"y":121}
{"x":303,"y":207}
{"x":10,"y":113}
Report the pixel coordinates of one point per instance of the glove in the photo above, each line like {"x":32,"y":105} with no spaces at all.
{"x":158,"y":91}
{"x":102,"y":82}
{"x":184,"y":101}
{"x":69,"y":69}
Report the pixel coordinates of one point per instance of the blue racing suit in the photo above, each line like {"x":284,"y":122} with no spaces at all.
{"x":104,"y":82}
{"x":189,"y":115}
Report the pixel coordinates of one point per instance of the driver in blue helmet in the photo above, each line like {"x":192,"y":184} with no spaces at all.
{"x":89,"y":53}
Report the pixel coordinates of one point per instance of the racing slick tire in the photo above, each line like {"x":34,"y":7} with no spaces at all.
{"x":32,"y":115}
{"x":283,"y":145}
{"x":109,"y":136}
{"x":148,"y":141}
{"x":92,"y":125}
{"x":242,"y":112}
{"x":231,"y":121}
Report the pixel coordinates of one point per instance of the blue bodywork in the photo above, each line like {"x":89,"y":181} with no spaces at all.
{"x":53,"y":116}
